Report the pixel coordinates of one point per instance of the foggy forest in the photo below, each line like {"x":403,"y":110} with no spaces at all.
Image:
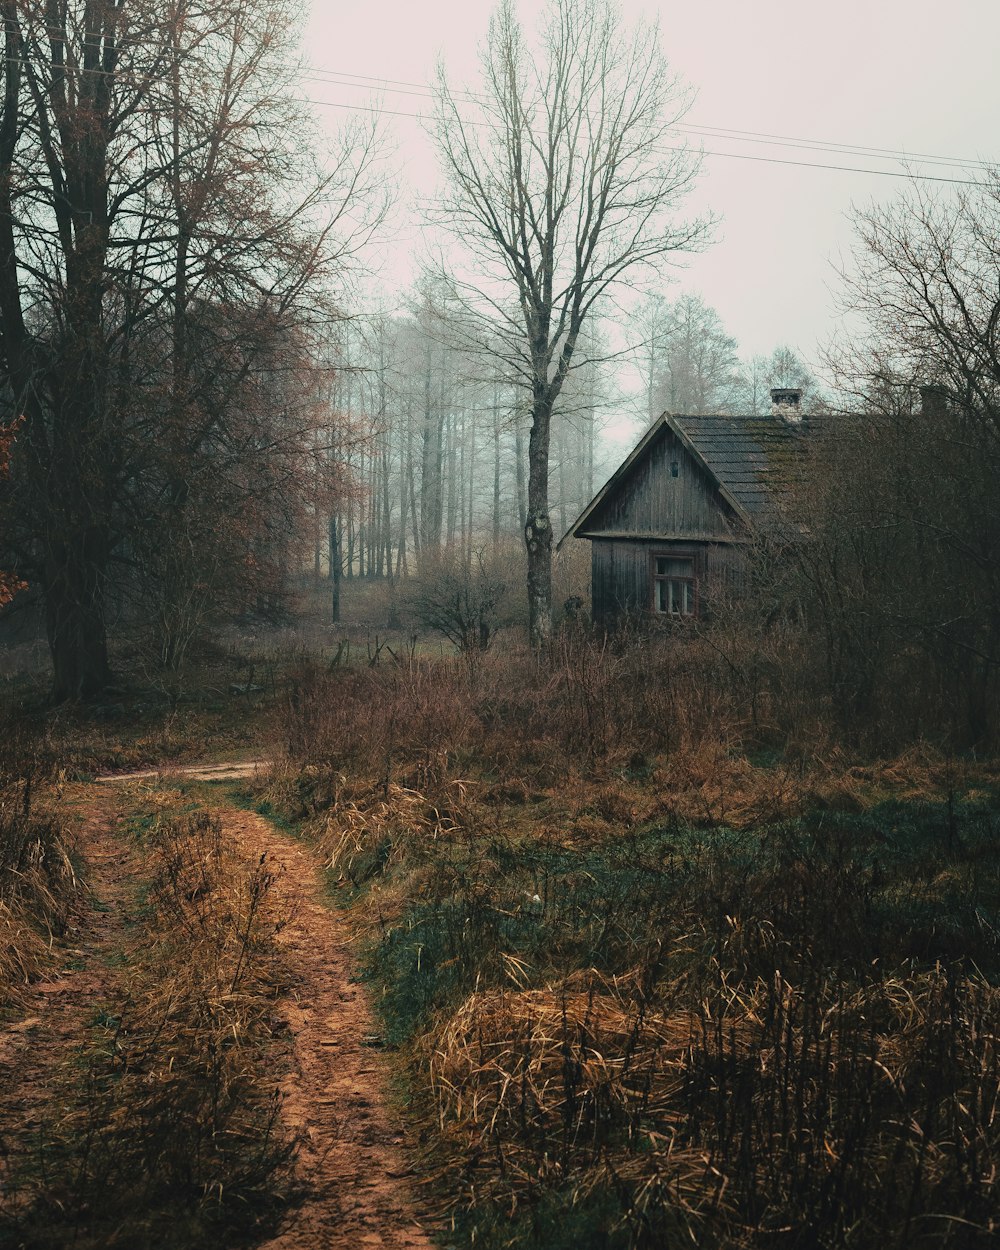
{"x":491,"y":755}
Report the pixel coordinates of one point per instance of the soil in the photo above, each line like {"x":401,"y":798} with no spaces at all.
{"x":352,"y":1150}
{"x":351,"y":1163}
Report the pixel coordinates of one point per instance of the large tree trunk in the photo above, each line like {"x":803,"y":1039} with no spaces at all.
{"x":74,"y":615}
{"x":538,"y":528}
{"x":80,"y":477}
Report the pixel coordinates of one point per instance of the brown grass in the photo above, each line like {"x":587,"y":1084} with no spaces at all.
{"x":660,"y":968}
{"x":171,"y":1136}
{"x":37,"y":883}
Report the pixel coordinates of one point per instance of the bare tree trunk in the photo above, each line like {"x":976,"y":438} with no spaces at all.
{"x":538,"y":527}
{"x":350,"y":538}
{"x":452,"y":498}
{"x":522,"y":506}
{"x":402,"y":570}
{"x":335,"y":569}
{"x":496,"y":466}
{"x":564,"y":438}
{"x":432,"y":453}
{"x":471,"y":479}
{"x":411,"y":476}
{"x":387,"y":511}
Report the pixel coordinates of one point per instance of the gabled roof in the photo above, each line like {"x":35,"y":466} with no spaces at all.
{"x":754,"y":462}
{"x":758,"y":460}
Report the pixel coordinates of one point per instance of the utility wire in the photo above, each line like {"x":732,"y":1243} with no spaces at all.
{"x":328,"y":77}
{"x":736,"y":156}
{"x":423,"y":90}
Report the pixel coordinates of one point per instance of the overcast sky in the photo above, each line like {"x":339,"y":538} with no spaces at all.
{"x":905,"y":75}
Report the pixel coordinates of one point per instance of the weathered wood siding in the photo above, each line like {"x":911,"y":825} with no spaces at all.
{"x":621,"y":574}
{"x":653,"y":501}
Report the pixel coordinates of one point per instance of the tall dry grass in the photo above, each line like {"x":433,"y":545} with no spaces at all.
{"x":37,"y":878}
{"x":168,"y":1133}
{"x":667,"y":964}
{"x":591,"y":702}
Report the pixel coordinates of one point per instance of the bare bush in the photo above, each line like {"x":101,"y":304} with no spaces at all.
{"x":467,"y":603}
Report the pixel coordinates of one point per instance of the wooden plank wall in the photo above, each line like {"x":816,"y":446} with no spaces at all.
{"x":620,"y":573}
{"x":651,"y":500}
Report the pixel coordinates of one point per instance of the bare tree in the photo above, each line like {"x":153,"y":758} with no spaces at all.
{"x":782,"y":368}
{"x":564,"y":176}
{"x":910,"y":529}
{"x":153,"y":179}
{"x":697,"y":369}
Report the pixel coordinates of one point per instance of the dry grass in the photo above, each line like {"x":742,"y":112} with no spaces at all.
{"x":37,"y":883}
{"x":170,"y":1136}
{"x":662,"y":975}
{"x":759,"y":1109}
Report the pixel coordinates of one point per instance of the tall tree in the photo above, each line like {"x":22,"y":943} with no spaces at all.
{"x":696,"y":368}
{"x":910,"y":535}
{"x":160,"y":238}
{"x":566,"y":180}
{"x":782,"y":368}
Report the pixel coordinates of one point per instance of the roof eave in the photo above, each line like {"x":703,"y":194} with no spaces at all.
{"x":615,"y":478}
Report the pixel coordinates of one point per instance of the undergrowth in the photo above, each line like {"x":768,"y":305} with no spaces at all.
{"x":166,"y":1132}
{"x":657,"y":979}
{"x":37,"y":877}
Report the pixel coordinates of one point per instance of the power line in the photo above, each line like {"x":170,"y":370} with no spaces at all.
{"x":423,"y":90}
{"x":330,"y":77}
{"x":769,"y":160}
{"x":887,"y":153}
{"x":847,"y":169}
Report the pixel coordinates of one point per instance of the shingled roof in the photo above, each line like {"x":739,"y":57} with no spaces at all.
{"x":755,"y":461}
{"x":759,"y":460}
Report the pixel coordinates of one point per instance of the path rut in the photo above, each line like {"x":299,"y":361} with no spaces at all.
{"x":351,"y":1160}
{"x":351,"y":1163}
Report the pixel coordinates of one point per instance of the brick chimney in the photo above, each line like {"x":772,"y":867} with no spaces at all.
{"x":785,"y":404}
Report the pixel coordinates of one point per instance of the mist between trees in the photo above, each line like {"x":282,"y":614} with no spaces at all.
{"x":199,"y":407}
{"x":434,"y":424}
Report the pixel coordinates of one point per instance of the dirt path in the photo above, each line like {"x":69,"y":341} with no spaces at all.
{"x":38,"y":1047}
{"x":350,"y":1160}
{"x":230,"y":771}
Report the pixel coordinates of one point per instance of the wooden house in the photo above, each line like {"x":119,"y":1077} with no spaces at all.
{"x":671,"y":521}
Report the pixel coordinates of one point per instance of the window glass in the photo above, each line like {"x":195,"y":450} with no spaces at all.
{"x":673,"y":586}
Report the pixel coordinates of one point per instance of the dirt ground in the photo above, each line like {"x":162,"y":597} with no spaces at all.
{"x":351,"y":1157}
{"x":351,"y":1163}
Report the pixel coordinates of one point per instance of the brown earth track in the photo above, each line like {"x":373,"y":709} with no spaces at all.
{"x":350,"y":1161}
{"x":350,"y":1165}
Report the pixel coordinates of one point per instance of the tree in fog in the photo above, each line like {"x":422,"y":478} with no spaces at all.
{"x":695,"y":368}
{"x":163,"y":238}
{"x":783,"y":368}
{"x":563,"y":178}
